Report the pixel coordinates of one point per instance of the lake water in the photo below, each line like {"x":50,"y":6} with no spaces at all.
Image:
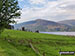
{"x":60,"y":33}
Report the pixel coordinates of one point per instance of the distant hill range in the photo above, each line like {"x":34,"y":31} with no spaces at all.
{"x":71,"y":23}
{"x":45,"y":25}
{"x":68,"y":22}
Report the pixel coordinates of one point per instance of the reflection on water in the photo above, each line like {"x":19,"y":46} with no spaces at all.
{"x":60,"y":33}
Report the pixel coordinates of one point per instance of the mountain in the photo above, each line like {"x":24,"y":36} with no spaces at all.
{"x":42,"y":25}
{"x":68,"y":22}
{"x":71,"y":23}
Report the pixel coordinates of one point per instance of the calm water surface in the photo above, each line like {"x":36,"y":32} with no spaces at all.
{"x":60,"y":33}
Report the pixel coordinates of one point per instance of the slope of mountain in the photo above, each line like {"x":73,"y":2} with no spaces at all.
{"x":71,"y":23}
{"x":42,"y":25}
{"x":68,"y":22}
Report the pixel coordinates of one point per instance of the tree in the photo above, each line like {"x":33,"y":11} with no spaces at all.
{"x":9,"y":10}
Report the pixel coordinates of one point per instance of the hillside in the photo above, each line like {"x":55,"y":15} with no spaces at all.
{"x":17,"y":43}
{"x":71,"y":23}
{"x":42,"y":25}
{"x":68,"y":22}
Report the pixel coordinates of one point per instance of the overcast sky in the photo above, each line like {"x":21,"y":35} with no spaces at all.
{"x":54,"y":10}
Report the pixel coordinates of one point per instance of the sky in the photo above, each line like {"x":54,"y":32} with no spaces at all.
{"x":53,"y":10}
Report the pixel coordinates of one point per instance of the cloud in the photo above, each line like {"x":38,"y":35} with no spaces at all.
{"x":54,"y":10}
{"x":20,"y":0}
{"x":37,"y":1}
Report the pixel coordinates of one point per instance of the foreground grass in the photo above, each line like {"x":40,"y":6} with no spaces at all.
{"x":44,"y":43}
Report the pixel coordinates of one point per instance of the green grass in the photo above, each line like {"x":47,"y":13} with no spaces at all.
{"x":45,"y":43}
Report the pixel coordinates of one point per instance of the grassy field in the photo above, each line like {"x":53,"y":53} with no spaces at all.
{"x":17,"y":43}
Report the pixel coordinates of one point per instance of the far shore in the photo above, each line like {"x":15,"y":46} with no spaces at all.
{"x":61,"y":33}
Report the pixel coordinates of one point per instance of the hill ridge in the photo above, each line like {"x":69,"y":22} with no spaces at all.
{"x":42,"y":25}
